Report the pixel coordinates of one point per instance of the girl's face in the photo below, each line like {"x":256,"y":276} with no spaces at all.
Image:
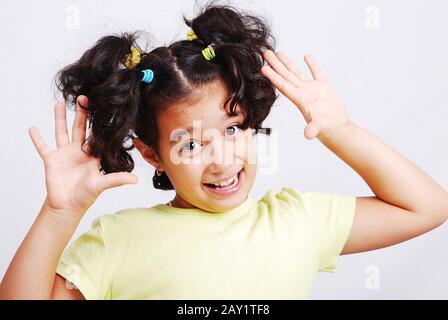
{"x":201,"y":144}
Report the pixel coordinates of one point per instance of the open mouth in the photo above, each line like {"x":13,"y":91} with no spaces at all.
{"x":227,"y":187}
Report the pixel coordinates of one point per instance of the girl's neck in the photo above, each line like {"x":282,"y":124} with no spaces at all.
{"x":179,"y":202}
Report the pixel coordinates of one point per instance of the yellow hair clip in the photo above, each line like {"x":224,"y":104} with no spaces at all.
{"x":133,"y":58}
{"x":191,"y":35}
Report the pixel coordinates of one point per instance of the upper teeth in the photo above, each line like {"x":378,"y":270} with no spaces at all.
{"x":227,"y":182}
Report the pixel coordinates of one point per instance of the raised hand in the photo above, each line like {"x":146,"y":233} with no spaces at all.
{"x":316,"y":98}
{"x":73,"y":178}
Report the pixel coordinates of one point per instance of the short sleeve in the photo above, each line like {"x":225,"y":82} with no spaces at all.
{"x":331,"y":218}
{"x":85,"y":264}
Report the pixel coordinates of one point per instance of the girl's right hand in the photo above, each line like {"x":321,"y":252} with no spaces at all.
{"x":73,"y":178}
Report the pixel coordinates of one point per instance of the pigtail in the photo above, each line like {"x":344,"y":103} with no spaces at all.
{"x":239,"y":40}
{"x":114,"y":98}
{"x":114,"y":105}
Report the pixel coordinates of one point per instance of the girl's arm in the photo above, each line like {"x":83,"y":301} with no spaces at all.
{"x":407,"y":202}
{"x":73,"y":182}
{"x":31,"y":274}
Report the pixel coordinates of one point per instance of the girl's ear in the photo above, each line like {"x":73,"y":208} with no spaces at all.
{"x":147,"y":153}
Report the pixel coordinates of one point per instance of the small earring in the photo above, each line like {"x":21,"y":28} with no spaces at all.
{"x":159,"y":173}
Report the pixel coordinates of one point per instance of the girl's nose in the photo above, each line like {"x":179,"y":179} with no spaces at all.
{"x":221,"y":153}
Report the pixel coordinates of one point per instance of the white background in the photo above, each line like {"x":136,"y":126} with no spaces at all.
{"x":388,"y":60}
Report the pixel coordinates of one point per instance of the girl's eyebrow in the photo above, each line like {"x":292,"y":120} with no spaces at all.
{"x":181,"y":131}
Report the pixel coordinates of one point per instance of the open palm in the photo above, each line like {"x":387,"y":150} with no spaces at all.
{"x":316,"y":98}
{"x":72,"y":177}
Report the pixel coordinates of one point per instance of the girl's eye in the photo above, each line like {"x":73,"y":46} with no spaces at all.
{"x":232,"y":130}
{"x":189,"y":146}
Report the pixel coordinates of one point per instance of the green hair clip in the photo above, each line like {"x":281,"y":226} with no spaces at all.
{"x":208,"y":52}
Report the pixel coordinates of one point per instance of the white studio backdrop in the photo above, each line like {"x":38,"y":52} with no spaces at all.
{"x":387,"y":59}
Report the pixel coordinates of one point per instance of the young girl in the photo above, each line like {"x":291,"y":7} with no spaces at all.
{"x":192,"y":110}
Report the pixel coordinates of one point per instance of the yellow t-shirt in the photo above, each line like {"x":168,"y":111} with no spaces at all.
{"x":270,"y":248}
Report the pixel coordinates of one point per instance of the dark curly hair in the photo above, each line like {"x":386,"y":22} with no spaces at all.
{"x":122,"y":107}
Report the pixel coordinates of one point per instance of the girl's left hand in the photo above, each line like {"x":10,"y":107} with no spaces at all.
{"x":316,"y":98}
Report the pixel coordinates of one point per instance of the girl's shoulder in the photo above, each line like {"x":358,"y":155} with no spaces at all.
{"x":310,"y":202}
{"x":125,"y":219}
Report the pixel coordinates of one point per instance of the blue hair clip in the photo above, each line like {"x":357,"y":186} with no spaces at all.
{"x":148,"y":75}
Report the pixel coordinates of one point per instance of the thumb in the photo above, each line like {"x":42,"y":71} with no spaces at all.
{"x":311,"y":130}
{"x":116,"y":179}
